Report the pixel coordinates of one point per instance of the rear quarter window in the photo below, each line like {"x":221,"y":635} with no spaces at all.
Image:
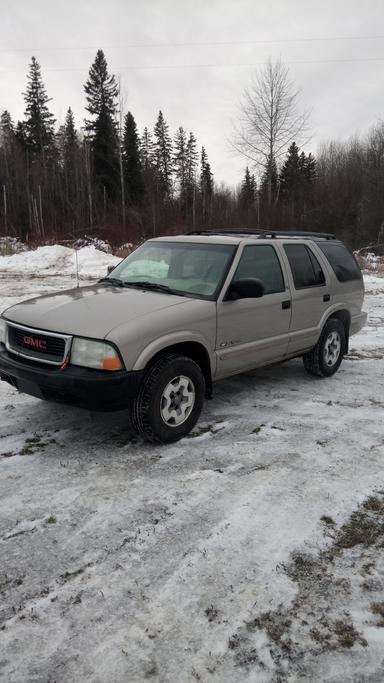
{"x":341,"y":260}
{"x":306,"y":269}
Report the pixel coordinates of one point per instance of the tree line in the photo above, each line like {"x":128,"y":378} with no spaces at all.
{"x":107,"y":179}
{"x":103,"y":178}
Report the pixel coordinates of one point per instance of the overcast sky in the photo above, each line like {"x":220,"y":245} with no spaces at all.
{"x":192,"y":59}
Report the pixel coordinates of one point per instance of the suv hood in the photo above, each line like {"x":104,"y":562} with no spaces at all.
{"x":90,"y":311}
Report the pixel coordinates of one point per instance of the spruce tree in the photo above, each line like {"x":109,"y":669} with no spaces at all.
{"x":133,"y":176}
{"x":101,"y":92}
{"x":70,"y":149}
{"x":192,"y":160}
{"x":296,"y":178}
{"x":7,"y":128}
{"x":180,"y":159}
{"x":191,"y":168}
{"x":270,"y":182}
{"x":291,"y":174}
{"x":146,"y":150}
{"x":248,"y":190}
{"x":39,"y":122}
{"x":206,"y":185}
{"x":21,"y":134}
{"x":70,"y":139}
{"x":163,"y":158}
{"x":308,"y":168}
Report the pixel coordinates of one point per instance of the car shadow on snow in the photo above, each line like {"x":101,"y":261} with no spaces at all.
{"x":72,"y":431}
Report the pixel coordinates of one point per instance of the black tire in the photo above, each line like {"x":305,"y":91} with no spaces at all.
{"x":149,"y":404}
{"x":319,"y":361}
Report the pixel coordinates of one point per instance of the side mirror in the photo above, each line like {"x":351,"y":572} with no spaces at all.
{"x":246,"y":288}
{"x":110,"y":269}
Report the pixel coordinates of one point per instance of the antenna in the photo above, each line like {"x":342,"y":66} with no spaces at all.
{"x":77,"y":269}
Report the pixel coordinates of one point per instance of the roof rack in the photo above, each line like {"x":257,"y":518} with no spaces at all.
{"x":262,"y":233}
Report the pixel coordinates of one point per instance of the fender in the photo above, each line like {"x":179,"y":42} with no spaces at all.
{"x":332,"y":309}
{"x":170,"y":339}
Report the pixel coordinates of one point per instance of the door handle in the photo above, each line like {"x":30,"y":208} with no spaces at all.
{"x":326,"y":297}
{"x":286,"y":304}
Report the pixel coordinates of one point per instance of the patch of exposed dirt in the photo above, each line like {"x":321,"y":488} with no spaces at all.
{"x":317,"y":621}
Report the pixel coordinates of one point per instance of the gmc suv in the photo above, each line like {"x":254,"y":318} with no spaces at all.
{"x":178,"y":314}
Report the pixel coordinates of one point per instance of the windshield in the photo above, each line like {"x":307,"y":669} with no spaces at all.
{"x":188,"y":269}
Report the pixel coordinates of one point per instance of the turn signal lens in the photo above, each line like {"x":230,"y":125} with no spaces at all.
{"x":111,"y":364}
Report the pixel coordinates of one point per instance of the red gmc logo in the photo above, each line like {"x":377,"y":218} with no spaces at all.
{"x":35,"y":343}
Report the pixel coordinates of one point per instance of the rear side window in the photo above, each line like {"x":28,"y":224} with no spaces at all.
{"x":342,"y":261}
{"x":262,"y":262}
{"x":306,"y":269}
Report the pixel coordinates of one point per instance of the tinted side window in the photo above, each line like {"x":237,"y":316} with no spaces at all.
{"x":342,"y":261}
{"x":261,"y":261}
{"x":306,"y":269}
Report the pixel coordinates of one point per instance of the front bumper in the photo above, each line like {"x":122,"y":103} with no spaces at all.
{"x":87,"y":388}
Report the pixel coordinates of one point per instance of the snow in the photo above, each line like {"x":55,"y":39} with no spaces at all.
{"x":59,"y":260}
{"x":122,"y":561}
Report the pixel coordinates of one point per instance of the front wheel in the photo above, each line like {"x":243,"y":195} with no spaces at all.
{"x":325,"y":358}
{"x":170,"y":399}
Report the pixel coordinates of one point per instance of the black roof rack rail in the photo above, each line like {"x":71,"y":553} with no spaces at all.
{"x":272,"y":233}
{"x":297,"y":233}
{"x":225,"y":231}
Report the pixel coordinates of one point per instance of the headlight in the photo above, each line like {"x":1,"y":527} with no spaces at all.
{"x":3,"y":329}
{"x":94,"y":354}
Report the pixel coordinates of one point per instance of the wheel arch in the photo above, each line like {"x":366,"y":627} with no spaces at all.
{"x":194,"y":349}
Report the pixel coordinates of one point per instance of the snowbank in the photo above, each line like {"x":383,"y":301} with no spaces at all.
{"x":59,"y":260}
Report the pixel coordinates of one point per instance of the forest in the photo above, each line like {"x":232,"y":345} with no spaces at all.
{"x":105,"y":178}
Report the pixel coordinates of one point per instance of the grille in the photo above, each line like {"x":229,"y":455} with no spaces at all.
{"x":38,"y":346}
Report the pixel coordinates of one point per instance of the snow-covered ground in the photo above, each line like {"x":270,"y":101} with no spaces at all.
{"x":229,"y":557}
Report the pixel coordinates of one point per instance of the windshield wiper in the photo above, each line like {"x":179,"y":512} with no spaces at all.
{"x":155,"y":286}
{"x":113,"y":281}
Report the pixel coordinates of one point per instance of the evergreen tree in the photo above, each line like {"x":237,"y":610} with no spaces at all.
{"x":132,"y":168}
{"x":191,"y":168}
{"x":70,"y":143}
{"x":7,"y":128}
{"x":146,"y":150}
{"x":163,"y":158}
{"x":70,"y":147}
{"x":192,"y":160}
{"x":70,"y":135}
{"x":206,"y":184}
{"x":39,"y":122}
{"x":101,"y":93}
{"x":308,"y":168}
{"x":248,"y":190}
{"x":296,"y":179}
{"x":291,"y":174}
{"x":21,"y":134}
{"x":104,"y":149}
{"x":270,"y":182}
{"x":180,"y":159}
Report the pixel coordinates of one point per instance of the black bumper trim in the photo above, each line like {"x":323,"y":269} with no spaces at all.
{"x":87,"y":388}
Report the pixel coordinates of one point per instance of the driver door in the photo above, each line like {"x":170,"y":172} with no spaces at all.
{"x":252,"y":332}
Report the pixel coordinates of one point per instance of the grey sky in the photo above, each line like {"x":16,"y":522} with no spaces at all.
{"x":346,"y":97}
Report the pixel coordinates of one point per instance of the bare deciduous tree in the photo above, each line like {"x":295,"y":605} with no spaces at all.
{"x":270,"y":120}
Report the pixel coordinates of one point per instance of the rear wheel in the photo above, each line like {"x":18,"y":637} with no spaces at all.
{"x":325,"y":358}
{"x":170,"y":399}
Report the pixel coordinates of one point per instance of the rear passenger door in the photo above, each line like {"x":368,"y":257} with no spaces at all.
{"x":310,"y":295}
{"x":252,"y":332}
